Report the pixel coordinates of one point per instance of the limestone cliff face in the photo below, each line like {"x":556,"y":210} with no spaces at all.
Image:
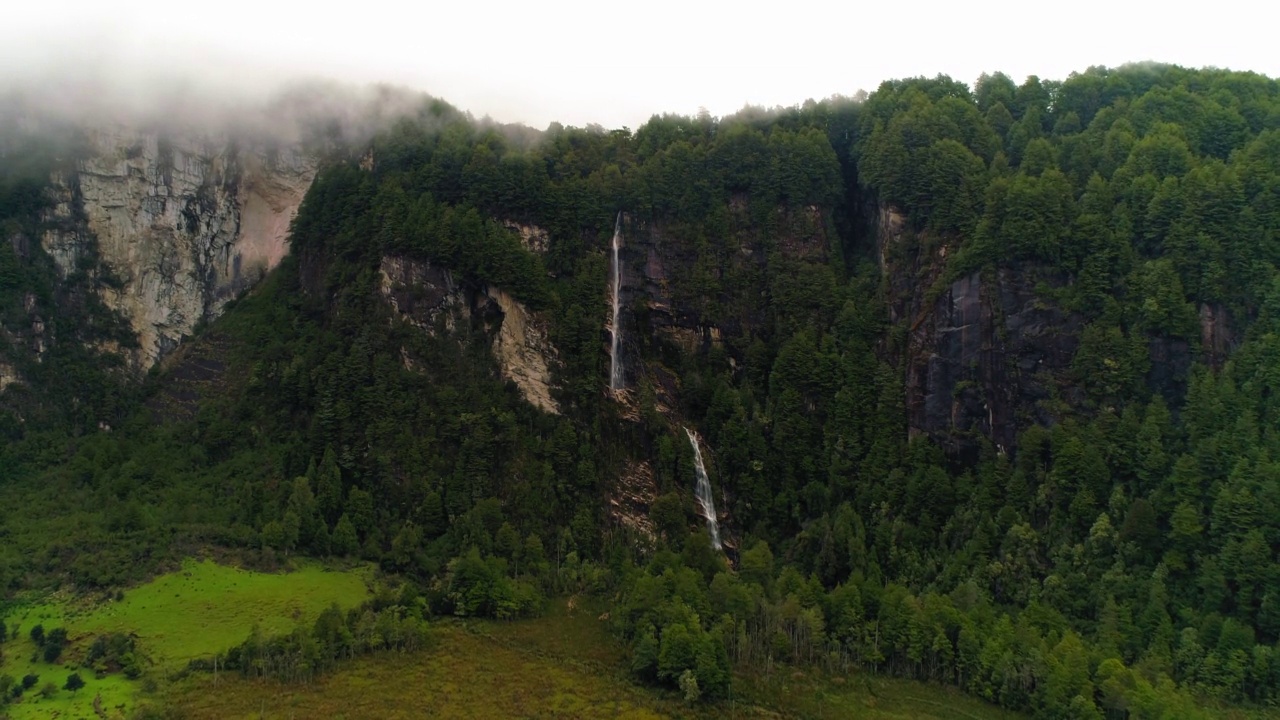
{"x":429,"y":298}
{"x":524,"y":353}
{"x":178,"y":224}
{"x":534,"y":238}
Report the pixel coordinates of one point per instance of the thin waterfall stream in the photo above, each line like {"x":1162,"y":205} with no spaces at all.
{"x":702,"y":491}
{"x":615,"y":331}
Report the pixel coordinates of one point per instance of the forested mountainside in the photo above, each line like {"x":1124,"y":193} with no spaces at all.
{"x":985,"y":381}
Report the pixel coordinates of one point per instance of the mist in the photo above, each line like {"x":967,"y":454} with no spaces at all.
{"x":570,"y":61}
{"x":280,"y":110}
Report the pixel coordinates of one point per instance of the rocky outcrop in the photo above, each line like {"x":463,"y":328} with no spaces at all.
{"x":890,"y":226}
{"x":534,"y":238}
{"x":990,"y":354}
{"x":423,"y":294}
{"x":429,"y":298}
{"x":179,"y":225}
{"x":8,"y":376}
{"x":523,"y":351}
{"x":1216,"y":337}
{"x":632,"y":496}
{"x":984,"y":355}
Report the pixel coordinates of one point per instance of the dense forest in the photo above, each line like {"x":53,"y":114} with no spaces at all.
{"x":1117,"y":558}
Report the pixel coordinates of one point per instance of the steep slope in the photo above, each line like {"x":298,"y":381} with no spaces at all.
{"x":132,"y":222}
{"x":430,"y":299}
{"x":182,"y":223}
{"x":983,"y":378}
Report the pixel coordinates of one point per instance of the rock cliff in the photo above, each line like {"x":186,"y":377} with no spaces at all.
{"x":523,"y":351}
{"x":8,"y":376}
{"x":990,"y":353}
{"x":986,"y":358}
{"x":429,"y":298}
{"x":675,"y":298}
{"x":178,"y":224}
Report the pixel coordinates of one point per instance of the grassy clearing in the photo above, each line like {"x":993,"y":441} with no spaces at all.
{"x":462,"y":675}
{"x":564,"y":665}
{"x":115,"y":693}
{"x":194,"y":612}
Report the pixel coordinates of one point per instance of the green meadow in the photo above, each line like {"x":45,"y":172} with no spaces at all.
{"x":563,"y":665}
{"x":196,"y":611}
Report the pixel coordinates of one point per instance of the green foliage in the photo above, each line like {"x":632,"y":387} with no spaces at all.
{"x":478,"y":587}
{"x":115,"y":652}
{"x":344,"y":541}
{"x":336,"y":635}
{"x":1118,"y":557}
{"x":53,"y":644}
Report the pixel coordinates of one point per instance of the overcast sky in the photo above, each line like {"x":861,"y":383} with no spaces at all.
{"x":618,"y":63}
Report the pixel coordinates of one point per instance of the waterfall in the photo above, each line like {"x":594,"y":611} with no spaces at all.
{"x":615,"y":361}
{"x":702,"y":491}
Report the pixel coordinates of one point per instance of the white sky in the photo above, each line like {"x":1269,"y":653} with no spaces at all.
{"x":616,"y":64}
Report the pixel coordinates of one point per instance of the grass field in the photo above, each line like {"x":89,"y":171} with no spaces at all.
{"x":194,"y":612}
{"x":564,"y":665}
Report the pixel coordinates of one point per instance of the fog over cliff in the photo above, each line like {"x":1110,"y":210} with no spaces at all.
{"x":288,"y":112}
{"x":580,"y":63}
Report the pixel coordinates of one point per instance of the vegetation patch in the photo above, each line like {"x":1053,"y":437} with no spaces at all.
{"x":563,"y":665}
{"x":155,"y":629}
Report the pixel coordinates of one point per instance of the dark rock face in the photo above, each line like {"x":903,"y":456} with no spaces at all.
{"x":989,"y":356}
{"x":983,"y":359}
{"x":681,"y":299}
{"x":1216,"y":336}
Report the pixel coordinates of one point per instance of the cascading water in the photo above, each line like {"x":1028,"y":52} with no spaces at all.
{"x":615,"y":360}
{"x":702,"y":491}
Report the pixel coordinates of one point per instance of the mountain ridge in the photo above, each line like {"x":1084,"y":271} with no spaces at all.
{"x":983,"y":375}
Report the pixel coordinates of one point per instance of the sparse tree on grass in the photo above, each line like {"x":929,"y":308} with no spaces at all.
{"x":689,"y":686}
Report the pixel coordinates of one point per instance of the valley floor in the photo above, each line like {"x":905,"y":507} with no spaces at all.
{"x":564,"y":665}
{"x":194,"y":612}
